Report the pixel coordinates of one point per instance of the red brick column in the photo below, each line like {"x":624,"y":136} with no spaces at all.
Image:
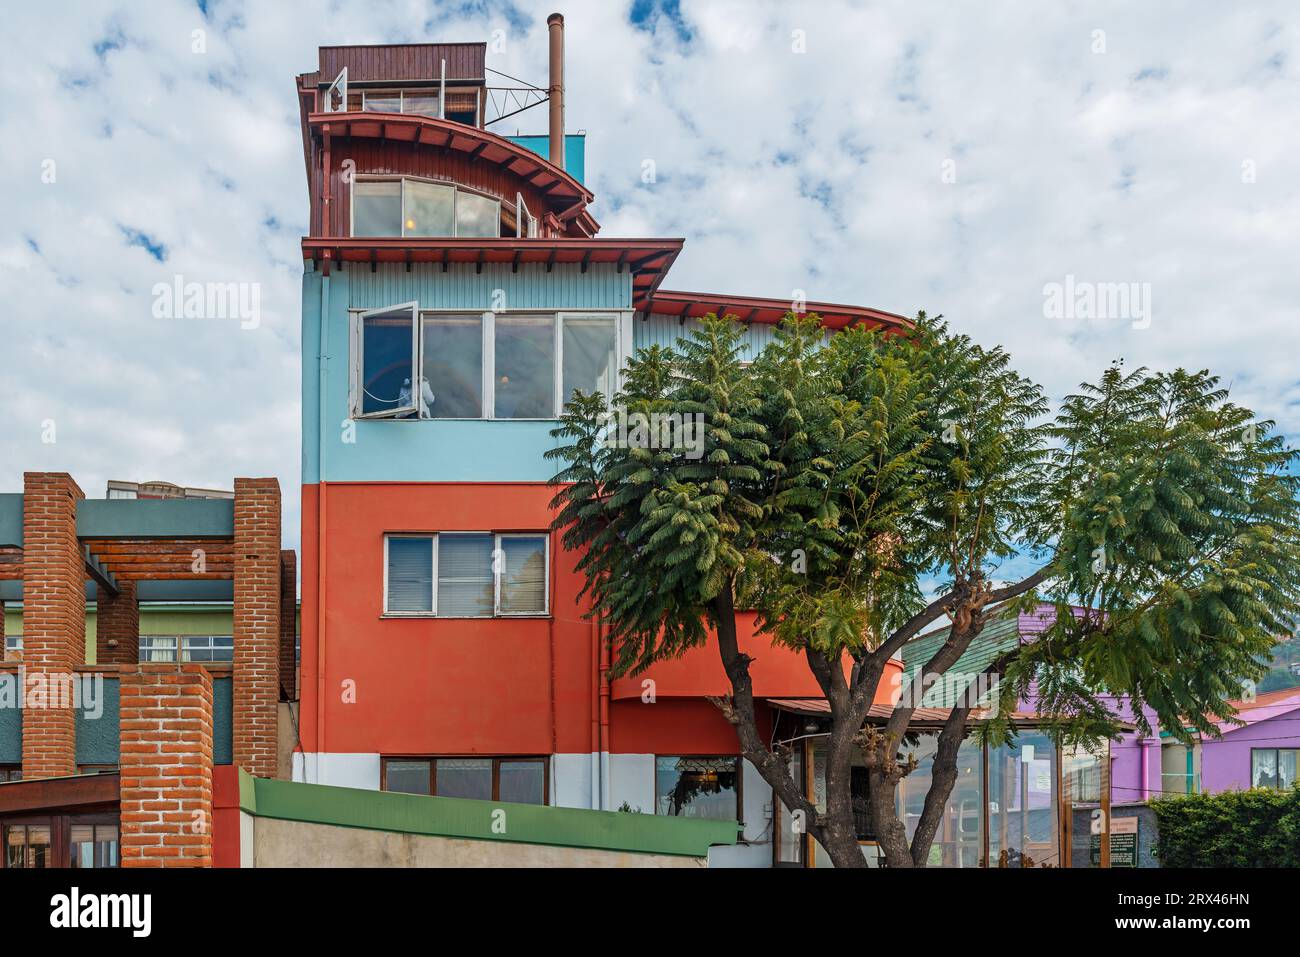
{"x":117,"y":626}
{"x":166,"y":761}
{"x":54,"y":619}
{"x":288,"y":621}
{"x":257,"y":624}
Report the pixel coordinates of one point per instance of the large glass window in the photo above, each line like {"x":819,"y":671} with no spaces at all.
{"x":428,"y":209}
{"x":452,"y":353}
{"x":1022,"y":818}
{"x":377,"y":207}
{"x":590,"y":351}
{"x":511,"y":780}
{"x":28,"y":845}
{"x":412,"y":207}
{"x":1273,"y":767}
{"x":476,"y":215}
{"x":466,"y":574}
{"x":524,"y":381}
{"x":698,"y":787}
{"x":480,"y":365}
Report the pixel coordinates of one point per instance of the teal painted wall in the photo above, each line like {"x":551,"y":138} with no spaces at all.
{"x":223,"y":726}
{"x":431,"y":451}
{"x":99,"y":739}
{"x":665,"y":331}
{"x":11,"y":721}
{"x":575,"y":151}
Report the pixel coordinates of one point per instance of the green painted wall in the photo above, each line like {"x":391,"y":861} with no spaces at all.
{"x":99,"y":739}
{"x":11,"y":722}
{"x":223,"y":724}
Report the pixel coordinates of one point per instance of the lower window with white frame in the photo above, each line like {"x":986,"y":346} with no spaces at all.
{"x":466,"y":574}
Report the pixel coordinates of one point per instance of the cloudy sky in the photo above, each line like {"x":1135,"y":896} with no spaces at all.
{"x":957,"y":159}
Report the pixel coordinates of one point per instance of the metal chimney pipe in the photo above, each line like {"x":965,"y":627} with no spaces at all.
{"x":555,"y":91}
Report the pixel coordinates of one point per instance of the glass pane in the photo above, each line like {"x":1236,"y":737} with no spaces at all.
{"x":410,"y":574}
{"x":15,"y":845}
{"x":464,"y":576}
{"x":428,"y":209}
{"x":106,"y":841}
{"x":525,"y":367}
{"x":465,"y":778}
{"x":38,"y":846}
{"x":590,"y":356}
{"x":453,"y":365}
{"x":697,"y":787}
{"x":790,"y":843}
{"x":386,"y":361}
{"x":1022,"y":817}
{"x":1286,"y":768}
{"x":157,"y":648}
{"x":523,"y":782}
{"x":424,"y":103}
{"x":377,"y":208}
{"x":83,"y":845}
{"x":523,"y":575}
{"x":1263,"y":768}
{"x":958,"y":841}
{"x":383,"y":102}
{"x":477,"y":216}
{"x":408,"y":777}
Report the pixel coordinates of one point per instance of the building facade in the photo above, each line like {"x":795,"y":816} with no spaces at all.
{"x":455,"y":292}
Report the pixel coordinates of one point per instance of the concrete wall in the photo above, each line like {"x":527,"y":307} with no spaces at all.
{"x":278,"y":843}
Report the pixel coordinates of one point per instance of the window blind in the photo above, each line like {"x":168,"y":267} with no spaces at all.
{"x":410,"y":574}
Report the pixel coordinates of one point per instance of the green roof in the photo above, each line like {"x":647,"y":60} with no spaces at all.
{"x":482,"y":820}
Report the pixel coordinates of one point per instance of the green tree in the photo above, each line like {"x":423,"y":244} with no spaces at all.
{"x":835,"y":476}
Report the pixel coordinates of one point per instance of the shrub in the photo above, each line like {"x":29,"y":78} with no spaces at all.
{"x":1256,"y":828}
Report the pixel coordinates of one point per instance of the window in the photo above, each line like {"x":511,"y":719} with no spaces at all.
{"x":466,"y":574}
{"x":28,"y":846}
{"x":11,"y":772}
{"x":385,"y":343}
{"x":412,"y":207}
{"x":1273,"y":767}
{"x":480,"y":365}
{"x":524,"y":379}
{"x":13,"y":647}
{"x":162,"y":648}
{"x":698,"y":787}
{"x":452,"y":363}
{"x":93,"y":845}
{"x":512,"y":780}
{"x":460,"y":106}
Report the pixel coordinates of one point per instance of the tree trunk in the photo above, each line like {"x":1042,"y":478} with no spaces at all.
{"x":943,"y":776}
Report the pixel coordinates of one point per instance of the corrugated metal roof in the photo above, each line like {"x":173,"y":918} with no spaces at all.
{"x":881,"y":712}
{"x":404,"y":61}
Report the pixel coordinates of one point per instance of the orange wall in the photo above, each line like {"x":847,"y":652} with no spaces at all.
{"x":485,"y":686}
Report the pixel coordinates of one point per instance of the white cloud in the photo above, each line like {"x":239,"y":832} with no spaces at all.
{"x":818,"y":171}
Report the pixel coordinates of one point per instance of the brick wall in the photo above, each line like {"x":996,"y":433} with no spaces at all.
{"x":117,"y":626}
{"x":54,"y":616}
{"x":288,"y":621}
{"x":256,"y":624}
{"x":166,"y":766}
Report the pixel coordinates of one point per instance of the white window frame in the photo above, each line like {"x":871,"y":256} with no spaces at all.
{"x":341,"y":84}
{"x":496,"y":575}
{"x":522,"y":216}
{"x":623,"y":344}
{"x":456,"y":190}
{"x":357,"y":362}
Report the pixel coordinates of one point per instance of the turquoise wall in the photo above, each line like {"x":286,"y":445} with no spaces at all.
{"x":575,"y":151}
{"x":98,"y":739}
{"x":11,"y":723}
{"x":430,"y":451}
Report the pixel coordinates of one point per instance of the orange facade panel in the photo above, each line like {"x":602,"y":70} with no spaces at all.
{"x":404,"y":61}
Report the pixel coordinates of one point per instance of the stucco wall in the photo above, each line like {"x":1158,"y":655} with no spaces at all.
{"x":278,"y":843}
